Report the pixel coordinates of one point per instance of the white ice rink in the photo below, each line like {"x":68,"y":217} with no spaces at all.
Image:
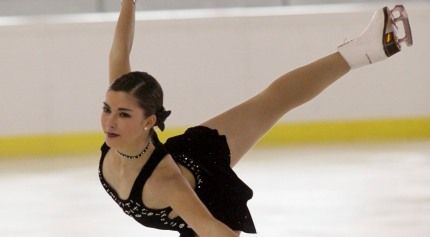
{"x":344,"y":190}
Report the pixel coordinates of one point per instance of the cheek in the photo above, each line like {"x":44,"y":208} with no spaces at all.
{"x":138,"y":128}
{"x":131,"y":126}
{"x":103,"y":119}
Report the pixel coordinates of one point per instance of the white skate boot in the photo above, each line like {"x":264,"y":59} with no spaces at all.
{"x":380,"y":39}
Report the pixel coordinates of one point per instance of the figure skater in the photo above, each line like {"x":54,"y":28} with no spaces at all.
{"x":187,"y":184}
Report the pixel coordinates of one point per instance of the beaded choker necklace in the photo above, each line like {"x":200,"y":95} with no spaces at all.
{"x":136,"y":156}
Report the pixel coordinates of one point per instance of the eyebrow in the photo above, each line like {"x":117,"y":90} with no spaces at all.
{"x":120,"y":109}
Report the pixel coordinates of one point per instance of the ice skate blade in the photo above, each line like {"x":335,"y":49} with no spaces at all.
{"x":403,"y":18}
{"x":390,"y":40}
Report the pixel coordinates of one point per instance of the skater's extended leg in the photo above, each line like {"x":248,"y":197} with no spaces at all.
{"x":246,"y":123}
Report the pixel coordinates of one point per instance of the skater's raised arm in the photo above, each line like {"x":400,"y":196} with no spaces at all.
{"x":119,"y":57}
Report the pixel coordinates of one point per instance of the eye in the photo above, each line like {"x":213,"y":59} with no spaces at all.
{"x":106,"y":109}
{"x":124,"y":115}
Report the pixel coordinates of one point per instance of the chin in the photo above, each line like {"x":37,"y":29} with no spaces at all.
{"x":112,"y":143}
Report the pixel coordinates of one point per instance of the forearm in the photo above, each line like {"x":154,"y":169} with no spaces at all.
{"x":124,"y":32}
{"x":306,"y":82}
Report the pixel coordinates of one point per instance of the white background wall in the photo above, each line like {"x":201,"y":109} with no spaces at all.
{"x":43,"y":7}
{"x":54,"y":71}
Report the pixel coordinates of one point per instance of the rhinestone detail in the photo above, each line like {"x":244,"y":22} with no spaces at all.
{"x":138,"y":211}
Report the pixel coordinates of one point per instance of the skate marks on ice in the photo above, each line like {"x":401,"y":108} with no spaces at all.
{"x":362,"y":190}
{"x":354,"y":191}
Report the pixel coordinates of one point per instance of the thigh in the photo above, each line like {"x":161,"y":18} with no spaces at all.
{"x":246,"y":123}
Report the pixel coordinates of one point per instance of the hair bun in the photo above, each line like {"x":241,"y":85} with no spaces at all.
{"x":162,"y":115}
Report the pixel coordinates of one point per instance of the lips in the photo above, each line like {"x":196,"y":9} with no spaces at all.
{"x":111,"y":135}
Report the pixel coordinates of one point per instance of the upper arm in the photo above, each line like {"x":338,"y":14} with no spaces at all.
{"x":179,"y":195}
{"x":119,"y":56}
{"x":118,"y":66}
{"x":184,"y":201}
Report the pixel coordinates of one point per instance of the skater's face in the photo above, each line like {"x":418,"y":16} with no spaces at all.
{"x":123,"y":120}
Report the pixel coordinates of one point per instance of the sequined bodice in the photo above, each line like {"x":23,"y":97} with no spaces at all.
{"x":134,"y":206}
{"x":138,"y":210}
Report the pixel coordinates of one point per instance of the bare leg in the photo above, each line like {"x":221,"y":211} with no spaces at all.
{"x":246,"y":123}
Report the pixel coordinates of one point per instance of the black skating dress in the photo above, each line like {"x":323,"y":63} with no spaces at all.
{"x":206,"y":154}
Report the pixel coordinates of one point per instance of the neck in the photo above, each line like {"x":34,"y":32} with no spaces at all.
{"x":134,"y":153}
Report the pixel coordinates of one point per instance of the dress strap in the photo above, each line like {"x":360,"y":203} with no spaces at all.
{"x":104,"y":150}
{"x":157,"y":155}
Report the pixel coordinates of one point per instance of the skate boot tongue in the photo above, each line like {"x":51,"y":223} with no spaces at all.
{"x":380,"y":39}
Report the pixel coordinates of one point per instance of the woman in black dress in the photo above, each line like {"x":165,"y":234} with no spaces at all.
{"x":187,"y":184}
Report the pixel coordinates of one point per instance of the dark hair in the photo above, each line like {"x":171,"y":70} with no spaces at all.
{"x":147,"y":92}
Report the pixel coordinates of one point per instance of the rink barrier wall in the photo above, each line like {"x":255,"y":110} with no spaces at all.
{"x":283,"y":134}
{"x":55,"y":69}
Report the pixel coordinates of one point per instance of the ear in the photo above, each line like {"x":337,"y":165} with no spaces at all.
{"x":150,"y":122}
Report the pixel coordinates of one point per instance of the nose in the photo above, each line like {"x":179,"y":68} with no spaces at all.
{"x":110,"y":121}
